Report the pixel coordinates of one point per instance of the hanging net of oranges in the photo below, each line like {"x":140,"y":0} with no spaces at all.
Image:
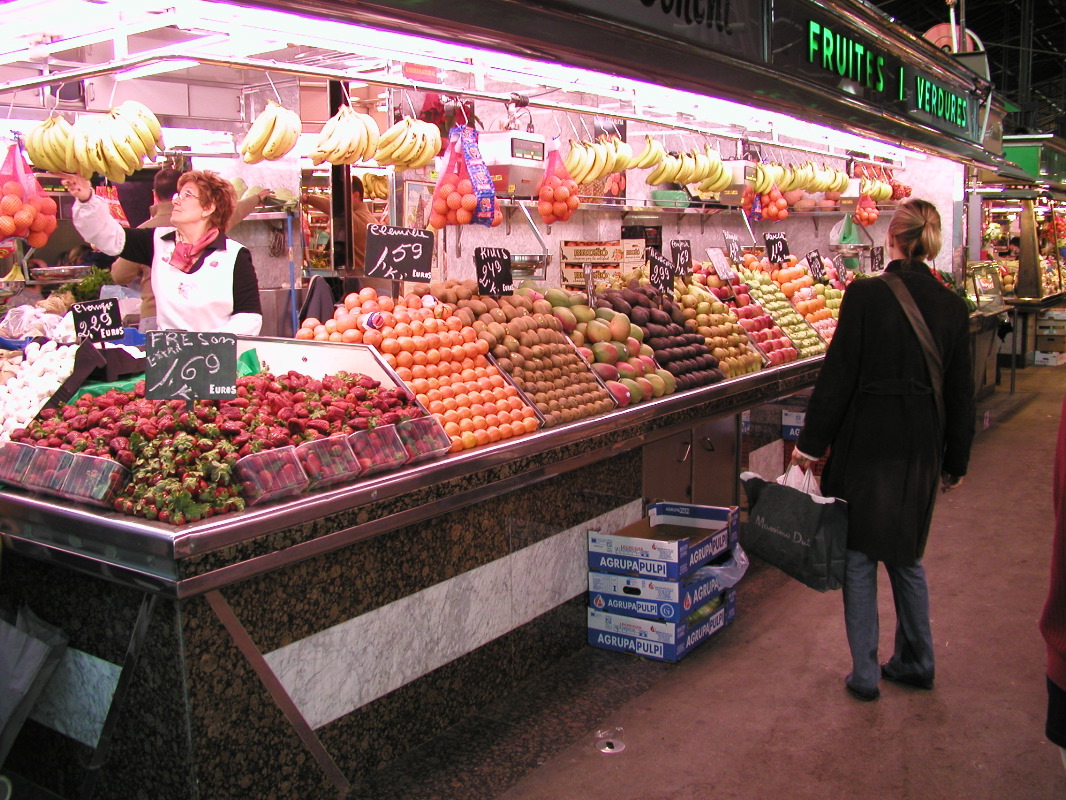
{"x":26,"y":211}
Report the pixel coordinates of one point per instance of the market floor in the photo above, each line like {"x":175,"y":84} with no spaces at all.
{"x":760,"y":711}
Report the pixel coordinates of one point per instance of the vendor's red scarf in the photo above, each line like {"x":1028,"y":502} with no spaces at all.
{"x":186,"y":254}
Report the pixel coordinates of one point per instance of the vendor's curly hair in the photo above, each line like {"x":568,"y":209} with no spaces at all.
{"x":214,"y":190}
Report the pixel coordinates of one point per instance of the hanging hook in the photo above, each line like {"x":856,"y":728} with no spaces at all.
{"x":573,"y":127}
{"x":460,"y":106}
{"x":344,"y":93}
{"x":410,"y":103}
{"x":277,"y":95}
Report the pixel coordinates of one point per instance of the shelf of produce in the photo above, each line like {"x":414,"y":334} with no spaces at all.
{"x":169,"y":561}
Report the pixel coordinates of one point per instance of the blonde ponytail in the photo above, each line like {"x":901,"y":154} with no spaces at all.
{"x":915,"y":230}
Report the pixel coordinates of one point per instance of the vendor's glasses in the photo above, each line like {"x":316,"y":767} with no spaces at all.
{"x":186,"y":195}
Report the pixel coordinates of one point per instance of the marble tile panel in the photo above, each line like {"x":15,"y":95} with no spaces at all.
{"x":337,"y":670}
{"x":76,"y":699}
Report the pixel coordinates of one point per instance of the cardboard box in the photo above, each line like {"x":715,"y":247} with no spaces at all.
{"x":1051,"y":344}
{"x":574,"y":274}
{"x":792,"y":424}
{"x":633,"y":253}
{"x":662,"y":641}
{"x":674,"y":540}
{"x":592,"y":252}
{"x":1050,"y":328}
{"x":652,"y":599}
{"x":1052,"y":359}
{"x":1052,"y":313}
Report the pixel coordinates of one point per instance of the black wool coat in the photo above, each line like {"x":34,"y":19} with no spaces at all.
{"x":873,"y":409}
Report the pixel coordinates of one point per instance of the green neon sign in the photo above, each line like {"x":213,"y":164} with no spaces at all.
{"x":845,"y":56}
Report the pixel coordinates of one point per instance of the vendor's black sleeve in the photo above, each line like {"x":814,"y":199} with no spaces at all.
{"x":245,"y":285}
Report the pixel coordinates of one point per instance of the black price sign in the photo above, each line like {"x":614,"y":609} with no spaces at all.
{"x":398,"y":254}
{"x":732,"y":248}
{"x":877,"y":259}
{"x":186,"y":365}
{"x":682,"y":252}
{"x":98,"y":320}
{"x":720,"y":264}
{"x":776,"y":247}
{"x":814,"y":262}
{"x":493,"y":271}
{"x":662,"y":271}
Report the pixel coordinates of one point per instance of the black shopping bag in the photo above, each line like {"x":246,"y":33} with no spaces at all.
{"x":797,"y":530}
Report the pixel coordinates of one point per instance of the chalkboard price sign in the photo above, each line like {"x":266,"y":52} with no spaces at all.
{"x":682,"y":253}
{"x":187,"y":365}
{"x":398,"y":254}
{"x":776,"y":246}
{"x":877,"y":259}
{"x":662,"y":271}
{"x":814,"y":262}
{"x":493,"y":266}
{"x":720,"y":264}
{"x":98,"y":320}
{"x":732,"y":248}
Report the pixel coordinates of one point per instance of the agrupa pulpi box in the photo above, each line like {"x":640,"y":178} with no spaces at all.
{"x":664,"y":641}
{"x":674,"y":540}
{"x":653,"y":599}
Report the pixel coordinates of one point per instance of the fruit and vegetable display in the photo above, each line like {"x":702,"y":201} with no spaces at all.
{"x":764,"y":291}
{"x":191,"y":460}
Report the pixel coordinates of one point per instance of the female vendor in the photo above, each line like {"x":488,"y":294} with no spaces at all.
{"x":202,"y":281}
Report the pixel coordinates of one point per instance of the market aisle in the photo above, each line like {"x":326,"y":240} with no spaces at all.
{"x":762,"y":711}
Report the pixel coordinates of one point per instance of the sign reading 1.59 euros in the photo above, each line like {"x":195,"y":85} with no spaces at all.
{"x":398,"y":254}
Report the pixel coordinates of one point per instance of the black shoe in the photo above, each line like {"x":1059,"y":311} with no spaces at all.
{"x":863,"y":695}
{"x":908,"y":680}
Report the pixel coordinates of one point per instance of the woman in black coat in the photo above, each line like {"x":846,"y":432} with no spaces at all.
{"x":873,"y":408}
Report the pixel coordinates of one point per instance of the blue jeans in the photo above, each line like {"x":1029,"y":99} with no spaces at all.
{"x":913,"y":652}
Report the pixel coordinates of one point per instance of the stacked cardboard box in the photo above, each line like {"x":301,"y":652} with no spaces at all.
{"x":651,"y":590}
{"x":1050,"y":338}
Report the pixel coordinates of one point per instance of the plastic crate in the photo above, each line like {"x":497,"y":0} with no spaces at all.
{"x":378,"y":449}
{"x":15,"y":460}
{"x":270,"y":475}
{"x":48,"y":470}
{"x":423,"y":439}
{"x":94,"y":480}
{"x":328,"y":461}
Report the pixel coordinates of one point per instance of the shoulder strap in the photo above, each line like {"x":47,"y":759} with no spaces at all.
{"x":933,"y":360}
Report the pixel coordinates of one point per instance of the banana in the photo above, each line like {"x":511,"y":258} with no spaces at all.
{"x":287,"y":128}
{"x":431,"y":147}
{"x":147,"y":117}
{"x":373,"y":135}
{"x":140,"y":127}
{"x":40,"y":147}
{"x":356,"y":133}
{"x":664,"y":172}
{"x":582,"y":161}
{"x":413,"y":143}
{"x":15,"y":273}
{"x":132,"y":137}
{"x":251,"y":148}
{"x":575,"y":158}
{"x":602,"y":156}
{"x":393,"y":139}
{"x":703,"y":166}
{"x":646,"y":157}
{"x":122,"y":138}
{"x":331,"y":139}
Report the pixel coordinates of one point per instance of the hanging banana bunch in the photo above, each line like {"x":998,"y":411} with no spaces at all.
{"x":703,"y":167}
{"x":409,"y":144}
{"x":272,"y":135}
{"x":114,"y":145}
{"x":590,"y":161}
{"x":375,"y":186}
{"x":347,"y":137}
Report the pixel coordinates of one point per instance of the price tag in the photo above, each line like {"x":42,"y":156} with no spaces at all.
{"x":776,"y":246}
{"x":186,"y":365}
{"x":399,"y":254}
{"x":493,"y":266}
{"x":814,"y":263}
{"x":732,"y":244}
{"x":662,"y":271}
{"x":877,"y":259}
{"x":720,"y":264}
{"x":681,"y":249}
{"x":98,"y":320}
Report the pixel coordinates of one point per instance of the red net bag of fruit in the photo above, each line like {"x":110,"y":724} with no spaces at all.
{"x":464,"y":194}
{"x":26,"y":211}
{"x":557,"y":194}
{"x":114,"y":204}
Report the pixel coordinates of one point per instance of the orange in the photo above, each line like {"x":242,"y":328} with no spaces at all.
{"x":336,"y":336}
{"x":451,"y":429}
{"x":494,"y":433}
{"x":481,"y":437}
{"x":368,"y":293}
{"x":403,"y":373}
{"x":469,"y":440}
{"x":463,"y":217}
{"x":531,"y":424}
{"x":418,"y":370}
{"x":492,"y":420}
{"x":15,"y":188}
{"x":386,"y":303}
{"x":452,"y":415}
{"x":11,"y":206}
{"x":457,"y":442}
{"x":352,"y":336}
{"x":465,"y":425}
{"x":372,"y":338}
{"x":305,"y":333}
{"x":351,"y":301}
{"x":505,"y":431}
{"x":515,"y":402}
{"x":391,"y":346}
{"x":404,"y":359}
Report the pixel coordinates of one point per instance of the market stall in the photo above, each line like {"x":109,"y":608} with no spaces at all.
{"x":294,"y":645}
